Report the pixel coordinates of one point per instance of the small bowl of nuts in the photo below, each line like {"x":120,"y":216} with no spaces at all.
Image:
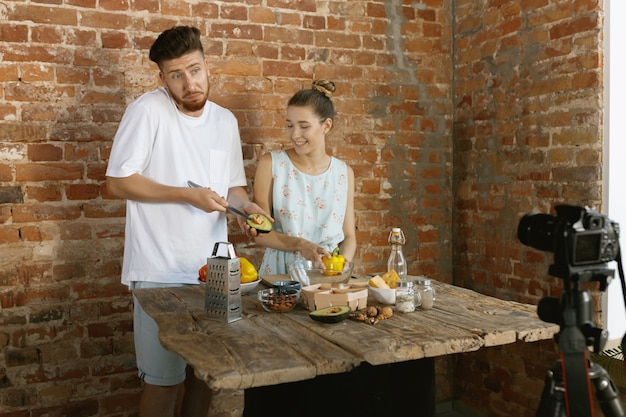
{"x":287,"y":285}
{"x":277,"y":300}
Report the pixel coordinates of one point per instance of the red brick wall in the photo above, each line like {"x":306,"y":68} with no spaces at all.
{"x":504,"y":381}
{"x":527,"y":132}
{"x":68,"y":70}
{"x":526,"y":107}
{"x":528,"y":110}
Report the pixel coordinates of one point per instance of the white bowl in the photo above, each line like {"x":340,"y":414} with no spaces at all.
{"x":383,"y":295}
{"x":249,"y":286}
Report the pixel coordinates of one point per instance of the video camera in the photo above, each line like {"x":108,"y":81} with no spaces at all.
{"x":583,"y":242}
{"x":579,"y":237}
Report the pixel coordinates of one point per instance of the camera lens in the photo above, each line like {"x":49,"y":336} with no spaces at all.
{"x":537,"y":231}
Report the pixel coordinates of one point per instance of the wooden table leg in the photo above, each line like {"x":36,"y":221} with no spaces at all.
{"x":200,"y":401}
{"x":226,"y":403}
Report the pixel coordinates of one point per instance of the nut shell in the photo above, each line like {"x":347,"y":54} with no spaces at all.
{"x":386,"y":312}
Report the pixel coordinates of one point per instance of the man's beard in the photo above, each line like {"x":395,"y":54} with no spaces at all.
{"x":191,"y":106}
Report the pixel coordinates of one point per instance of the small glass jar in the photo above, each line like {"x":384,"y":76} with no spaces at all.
{"x":405,"y":297}
{"x":424,"y":288}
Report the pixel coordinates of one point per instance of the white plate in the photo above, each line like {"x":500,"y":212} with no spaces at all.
{"x":383,"y":295}
{"x":249,"y":286}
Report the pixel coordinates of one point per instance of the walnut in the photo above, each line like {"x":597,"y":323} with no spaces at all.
{"x":358,"y":316}
{"x":373,"y":314}
{"x":372,"y":311}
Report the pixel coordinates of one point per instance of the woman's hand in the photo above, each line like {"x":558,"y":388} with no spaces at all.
{"x":312,"y":252}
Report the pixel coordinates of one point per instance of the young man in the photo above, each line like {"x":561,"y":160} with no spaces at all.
{"x":167,"y":137}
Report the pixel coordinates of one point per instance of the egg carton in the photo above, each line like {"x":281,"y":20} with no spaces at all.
{"x":319,"y":296}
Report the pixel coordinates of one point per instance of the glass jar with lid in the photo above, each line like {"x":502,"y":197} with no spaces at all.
{"x":405,"y":296}
{"x":423,"y":287}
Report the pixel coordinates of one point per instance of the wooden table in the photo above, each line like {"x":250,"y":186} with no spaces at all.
{"x":264,"y":349}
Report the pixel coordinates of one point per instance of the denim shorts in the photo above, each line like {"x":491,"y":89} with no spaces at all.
{"x":157,"y":366}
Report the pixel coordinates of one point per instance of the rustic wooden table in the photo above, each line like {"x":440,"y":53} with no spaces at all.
{"x":264,"y":349}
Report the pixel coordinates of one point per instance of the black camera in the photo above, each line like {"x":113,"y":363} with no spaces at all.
{"x":583,"y":242}
{"x":579,"y":237}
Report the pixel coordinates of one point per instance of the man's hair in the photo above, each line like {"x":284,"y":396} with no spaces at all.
{"x":174,"y":43}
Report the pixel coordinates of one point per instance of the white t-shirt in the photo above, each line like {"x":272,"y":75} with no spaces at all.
{"x":170,"y":242}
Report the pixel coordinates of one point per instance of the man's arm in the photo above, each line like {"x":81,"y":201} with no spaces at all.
{"x":139,"y":188}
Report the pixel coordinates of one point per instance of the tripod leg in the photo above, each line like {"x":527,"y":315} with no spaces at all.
{"x":606,"y":392}
{"x":552,"y":402}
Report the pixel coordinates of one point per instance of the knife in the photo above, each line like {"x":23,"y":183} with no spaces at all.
{"x":234,"y":210}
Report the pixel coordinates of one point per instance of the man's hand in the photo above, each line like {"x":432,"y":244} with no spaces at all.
{"x":251,"y":208}
{"x":208,"y":200}
{"x":139,"y":188}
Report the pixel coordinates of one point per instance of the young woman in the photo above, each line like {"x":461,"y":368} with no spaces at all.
{"x":309,"y":193}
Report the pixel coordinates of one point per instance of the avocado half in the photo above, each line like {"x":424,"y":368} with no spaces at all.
{"x":333,"y":314}
{"x":259,"y":222}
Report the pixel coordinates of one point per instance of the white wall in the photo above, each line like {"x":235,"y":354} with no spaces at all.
{"x":615,"y":60}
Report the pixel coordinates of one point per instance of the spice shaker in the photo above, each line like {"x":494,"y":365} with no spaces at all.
{"x":426,"y":291}
{"x":405,"y":296}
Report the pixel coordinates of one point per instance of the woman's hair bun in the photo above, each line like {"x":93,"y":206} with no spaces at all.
{"x":325,"y":87}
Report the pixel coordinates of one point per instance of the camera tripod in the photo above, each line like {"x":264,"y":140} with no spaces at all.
{"x":583,"y":243}
{"x":567,"y":390}
{"x":553,"y":396}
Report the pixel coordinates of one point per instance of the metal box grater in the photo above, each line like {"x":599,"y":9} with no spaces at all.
{"x":223,"y":285}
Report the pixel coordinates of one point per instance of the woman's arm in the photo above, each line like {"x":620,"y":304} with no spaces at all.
{"x":263,"y":183}
{"x":263,"y":197}
{"x":348,"y":246}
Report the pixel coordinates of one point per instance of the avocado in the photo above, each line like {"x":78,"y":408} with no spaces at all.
{"x":259,"y":222}
{"x":333,"y":314}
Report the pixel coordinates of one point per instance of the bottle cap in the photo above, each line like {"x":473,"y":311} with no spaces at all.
{"x":396,"y":230}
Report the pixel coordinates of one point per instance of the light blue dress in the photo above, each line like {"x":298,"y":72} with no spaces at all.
{"x":312,"y":207}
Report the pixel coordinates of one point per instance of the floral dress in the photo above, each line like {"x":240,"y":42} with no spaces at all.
{"x":312,"y":207}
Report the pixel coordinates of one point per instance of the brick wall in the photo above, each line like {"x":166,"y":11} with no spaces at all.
{"x":68,"y":70}
{"x":528,"y":110}
{"x":526,"y":134}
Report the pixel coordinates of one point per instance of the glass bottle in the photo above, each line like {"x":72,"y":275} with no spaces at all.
{"x":397,"y":260}
{"x":426,"y":291}
{"x":405,"y":297}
